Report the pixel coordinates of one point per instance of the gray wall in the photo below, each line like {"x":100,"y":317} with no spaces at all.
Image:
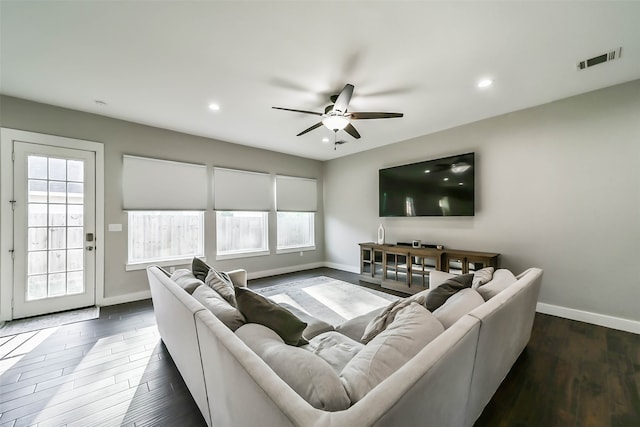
{"x":557,"y":187}
{"x":121,"y":137}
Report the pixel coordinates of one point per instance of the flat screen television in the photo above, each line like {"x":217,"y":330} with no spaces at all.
{"x":440,"y":187}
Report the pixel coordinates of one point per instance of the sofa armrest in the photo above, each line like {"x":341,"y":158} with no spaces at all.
{"x":238,"y":277}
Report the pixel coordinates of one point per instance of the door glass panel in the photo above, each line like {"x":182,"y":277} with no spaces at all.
{"x":55,"y":233}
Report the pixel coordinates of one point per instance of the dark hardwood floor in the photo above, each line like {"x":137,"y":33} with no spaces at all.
{"x":115,"y":371}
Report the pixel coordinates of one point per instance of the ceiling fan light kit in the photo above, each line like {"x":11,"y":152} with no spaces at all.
{"x":337,"y":118}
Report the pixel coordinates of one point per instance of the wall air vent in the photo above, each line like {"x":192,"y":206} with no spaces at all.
{"x":605,"y":57}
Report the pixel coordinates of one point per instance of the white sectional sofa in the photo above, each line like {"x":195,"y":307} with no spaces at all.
{"x":447,"y":383}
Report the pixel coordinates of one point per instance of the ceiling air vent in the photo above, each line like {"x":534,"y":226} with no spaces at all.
{"x":605,"y":57}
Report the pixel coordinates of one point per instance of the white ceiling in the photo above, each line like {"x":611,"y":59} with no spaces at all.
{"x":162,"y":63}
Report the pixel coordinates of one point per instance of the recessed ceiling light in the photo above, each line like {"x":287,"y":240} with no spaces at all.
{"x":325,"y":139}
{"x":485,"y":83}
{"x":214,"y":107}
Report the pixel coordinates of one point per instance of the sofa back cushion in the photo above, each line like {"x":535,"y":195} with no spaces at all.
{"x":412,"y":329}
{"x":186,"y":280}
{"x":307,"y":374}
{"x":224,"y":311}
{"x":501,"y":280}
{"x":457,"y":306}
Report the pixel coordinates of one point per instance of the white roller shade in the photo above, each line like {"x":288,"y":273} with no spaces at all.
{"x":238,"y":190}
{"x":296,"y":194}
{"x":153,"y":184}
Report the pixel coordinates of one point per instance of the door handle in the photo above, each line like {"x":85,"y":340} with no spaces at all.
{"x":89,"y":248}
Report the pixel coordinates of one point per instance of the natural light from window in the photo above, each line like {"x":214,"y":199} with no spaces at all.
{"x":296,"y":230}
{"x":156,"y":236}
{"x":241,"y":233}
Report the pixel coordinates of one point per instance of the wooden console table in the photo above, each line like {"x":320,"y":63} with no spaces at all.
{"x":406,"y":269}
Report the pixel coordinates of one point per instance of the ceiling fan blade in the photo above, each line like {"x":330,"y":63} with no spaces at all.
{"x":352,"y":131}
{"x":298,"y":111}
{"x":316,"y":126}
{"x":342,"y":102}
{"x":362,"y":116}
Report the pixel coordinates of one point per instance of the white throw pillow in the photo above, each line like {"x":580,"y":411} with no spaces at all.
{"x":481,"y":277}
{"x":413,"y":328}
{"x":307,"y":374}
{"x":502,"y":278}
{"x":437,"y":278}
{"x":457,"y":306}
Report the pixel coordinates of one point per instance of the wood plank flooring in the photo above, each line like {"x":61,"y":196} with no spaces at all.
{"x":115,"y":371}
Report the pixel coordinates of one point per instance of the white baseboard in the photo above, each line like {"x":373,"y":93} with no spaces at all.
{"x":343,"y":267}
{"x":121,"y":299}
{"x":589,"y":317}
{"x":284,"y":270}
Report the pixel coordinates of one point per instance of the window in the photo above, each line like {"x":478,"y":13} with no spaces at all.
{"x":296,"y":230}
{"x":156,"y":236}
{"x":241,"y":233}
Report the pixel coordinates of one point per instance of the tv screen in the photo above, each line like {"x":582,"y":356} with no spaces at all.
{"x":441,"y":187}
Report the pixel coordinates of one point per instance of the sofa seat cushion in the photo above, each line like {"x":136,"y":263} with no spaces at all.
{"x":314,"y":327}
{"x":457,"y":306}
{"x":307,"y":374}
{"x":438,"y":296}
{"x":354,"y":328}
{"x":502,"y":279}
{"x":334,"y":348}
{"x":186,"y":280}
{"x":259,"y":309}
{"x":412,"y":329}
{"x":224,"y":311}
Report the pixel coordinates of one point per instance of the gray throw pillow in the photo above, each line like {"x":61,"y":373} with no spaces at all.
{"x":220,"y":282}
{"x":227,"y":314}
{"x":259,"y":309}
{"x":186,"y":280}
{"x":200,"y":268}
{"x":438,"y":296}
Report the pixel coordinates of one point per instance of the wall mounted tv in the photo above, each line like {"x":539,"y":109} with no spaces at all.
{"x":441,"y":187}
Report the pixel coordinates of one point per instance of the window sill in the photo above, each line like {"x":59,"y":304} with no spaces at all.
{"x":294,"y":250}
{"x":242,"y":255}
{"x":165,"y":263}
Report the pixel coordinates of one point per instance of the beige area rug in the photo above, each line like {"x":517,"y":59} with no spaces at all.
{"x":45,"y":321}
{"x":331,"y":300}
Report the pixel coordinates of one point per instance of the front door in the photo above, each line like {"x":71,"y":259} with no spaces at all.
{"x":54,"y":229}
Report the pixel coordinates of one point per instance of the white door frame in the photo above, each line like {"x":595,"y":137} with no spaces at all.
{"x":7,"y":136}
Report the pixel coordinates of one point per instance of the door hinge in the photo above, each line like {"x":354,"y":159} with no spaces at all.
{"x":13,"y":204}
{"x":13,"y":254}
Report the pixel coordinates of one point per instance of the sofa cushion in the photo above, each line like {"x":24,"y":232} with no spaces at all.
{"x":334,"y":348}
{"x":307,"y":374}
{"x":259,"y":309}
{"x":501,"y":280}
{"x":413,"y":328}
{"x":482,"y":277}
{"x":388,"y":314}
{"x":186,"y":280}
{"x":220,"y":282}
{"x":457,"y":306}
{"x":436,"y":297}
{"x":224,"y":311}
{"x":355,"y":327}
{"x":314,"y":327}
